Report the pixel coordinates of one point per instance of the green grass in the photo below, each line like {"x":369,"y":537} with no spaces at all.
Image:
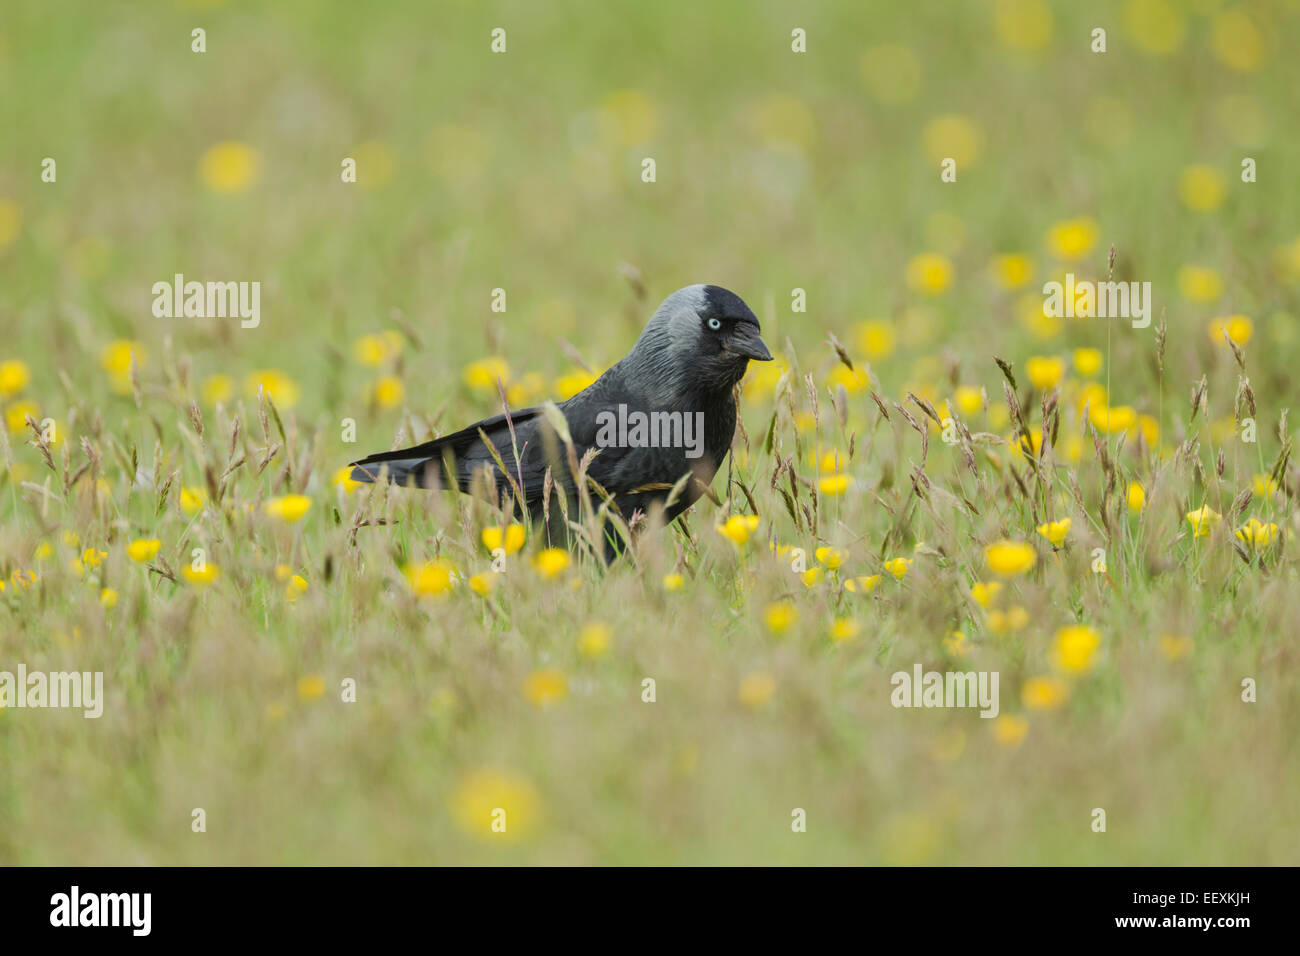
{"x":521,"y":171}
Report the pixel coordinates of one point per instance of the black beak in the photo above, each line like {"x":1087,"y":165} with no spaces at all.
{"x":745,"y":341}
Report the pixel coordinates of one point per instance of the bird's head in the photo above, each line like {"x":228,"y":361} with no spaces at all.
{"x":704,"y":337}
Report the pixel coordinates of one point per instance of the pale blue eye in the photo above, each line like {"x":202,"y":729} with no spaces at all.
{"x":715,"y":324}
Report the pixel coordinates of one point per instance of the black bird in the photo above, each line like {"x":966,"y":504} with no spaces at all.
{"x":678,"y":382}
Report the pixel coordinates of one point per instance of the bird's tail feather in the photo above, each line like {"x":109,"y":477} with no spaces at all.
{"x":423,"y":463}
{"x":400,"y":471}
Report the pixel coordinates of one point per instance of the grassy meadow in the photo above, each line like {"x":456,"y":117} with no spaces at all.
{"x":935,"y":471}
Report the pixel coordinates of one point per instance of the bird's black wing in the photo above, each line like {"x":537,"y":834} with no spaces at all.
{"x":636,"y":476}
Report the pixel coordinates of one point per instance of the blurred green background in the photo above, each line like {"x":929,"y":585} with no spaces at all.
{"x":521,"y":170}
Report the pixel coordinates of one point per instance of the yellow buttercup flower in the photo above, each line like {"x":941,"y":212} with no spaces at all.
{"x":509,"y":539}
{"x":545,"y":687}
{"x":862,"y":585}
{"x":16,"y":415}
{"x":108,"y":598}
{"x":143,"y":549}
{"x":482,"y":375}
{"x":956,"y":644}
{"x":295,"y":587}
{"x":953,"y":136}
{"x":1238,"y":43}
{"x":1203,"y":520}
{"x":828,"y":462}
{"x":985,"y":593}
{"x":217,"y":388}
{"x":1074,"y":238}
{"x":1150,"y":429}
{"x":192,"y":499}
{"x":431,"y":578}
{"x":844,"y":629}
{"x":526,"y":390}
{"x":853,"y":380}
{"x":1257,"y":534}
{"x":594,"y":640}
{"x":1055,"y":531}
{"x":11,"y":221}
{"x":756,"y":690}
{"x":831,"y":557}
{"x":1014,"y":618}
{"x":1093,"y":395}
{"x":812,"y":576}
{"x":200,"y":577}
{"x":1012,"y":270}
{"x":22,"y":580}
{"x":116,"y":357}
{"x":374,"y":164}
{"x":1023,"y":24}
{"x":377,"y":348}
{"x":343,"y":479}
{"x":760,"y":383}
{"x":780,"y":616}
{"x":1111,"y":419}
{"x":278,"y":386}
{"x":1264,"y":486}
{"x":1201,"y":188}
{"x":929,"y":272}
{"x":14,"y":376}
{"x":898,"y":567}
{"x":1199,"y":284}
{"x":1034,"y":316}
{"x":1009,"y":558}
{"x":1075,"y":648}
{"x":311,"y":687}
{"x":832,"y":485}
{"x":628,"y":117}
{"x":738,"y":528}
{"x":230,"y":167}
{"x":1238,"y":327}
{"x":1045,"y":371}
{"x":875,"y":338}
{"x":482,"y":584}
{"x":1137,"y":496}
{"x":551,"y":563}
{"x":970,"y":400}
{"x":288,"y":508}
{"x":497,"y":806}
{"x":1044,"y":693}
{"x":572,"y":382}
{"x":1087,"y":362}
{"x":1154,"y":26}
{"x":1010,"y":730}
{"x":387,"y":391}
{"x":1175,"y":647}
{"x":673,"y":582}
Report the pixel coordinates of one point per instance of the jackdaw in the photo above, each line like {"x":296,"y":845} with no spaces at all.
{"x":666,"y":410}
